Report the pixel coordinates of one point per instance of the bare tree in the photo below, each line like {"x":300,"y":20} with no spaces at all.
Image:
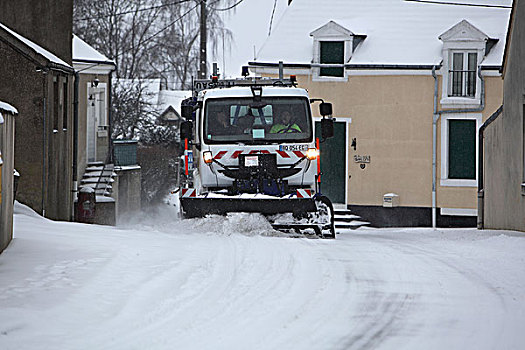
{"x":147,"y":39}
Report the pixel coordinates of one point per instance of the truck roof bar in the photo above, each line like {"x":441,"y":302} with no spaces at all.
{"x":204,"y":84}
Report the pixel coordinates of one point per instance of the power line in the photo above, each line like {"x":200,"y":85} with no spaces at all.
{"x":460,"y":4}
{"x":271,"y":18}
{"x":163,"y":29}
{"x":133,"y":11}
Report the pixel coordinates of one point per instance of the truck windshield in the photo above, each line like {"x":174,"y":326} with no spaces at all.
{"x":272,"y":120}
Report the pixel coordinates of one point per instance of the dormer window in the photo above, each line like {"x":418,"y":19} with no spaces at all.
{"x":464,"y":47}
{"x":332,"y":49}
{"x":462,"y":74}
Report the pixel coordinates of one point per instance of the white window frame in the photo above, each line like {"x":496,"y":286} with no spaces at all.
{"x":445,"y":181}
{"x":316,"y":68}
{"x":449,"y":48}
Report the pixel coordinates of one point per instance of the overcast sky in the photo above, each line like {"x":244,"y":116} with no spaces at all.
{"x":249,"y":24}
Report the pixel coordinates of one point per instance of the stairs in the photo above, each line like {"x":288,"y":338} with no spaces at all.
{"x":345,"y":220}
{"x":100,"y":177}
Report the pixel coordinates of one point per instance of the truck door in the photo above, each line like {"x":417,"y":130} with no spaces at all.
{"x":333,"y":163}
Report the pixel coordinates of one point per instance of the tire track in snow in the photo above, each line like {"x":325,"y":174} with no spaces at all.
{"x":432,"y":282}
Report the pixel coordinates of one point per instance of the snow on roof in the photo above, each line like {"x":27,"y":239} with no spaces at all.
{"x":82,"y":51}
{"x":5,"y":107}
{"x":172,"y":98}
{"x":397,"y":32}
{"x":37,"y":48}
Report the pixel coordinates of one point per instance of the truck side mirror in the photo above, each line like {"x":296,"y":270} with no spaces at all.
{"x":186,"y":112}
{"x":186,"y":130}
{"x":325,"y":109}
{"x":327,"y":128}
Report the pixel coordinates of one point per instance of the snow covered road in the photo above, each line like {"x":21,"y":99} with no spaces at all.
{"x":233,"y":284}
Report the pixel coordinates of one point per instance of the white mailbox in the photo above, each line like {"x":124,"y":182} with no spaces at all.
{"x":390,"y":200}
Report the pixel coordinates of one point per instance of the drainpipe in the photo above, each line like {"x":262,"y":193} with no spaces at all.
{"x":75,"y":137}
{"x":110,"y":118}
{"x":481,"y":190}
{"x":437,"y":114}
{"x":44,"y":139}
{"x":435,"y":118}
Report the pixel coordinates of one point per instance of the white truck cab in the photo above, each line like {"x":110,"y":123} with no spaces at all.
{"x":254,"y":149}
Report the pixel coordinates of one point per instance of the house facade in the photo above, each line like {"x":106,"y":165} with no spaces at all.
{"x":410,"y":84}
{"x":40,"y":84}
{"x":94,"y":72}
{"x":7,"y":157}
{"x":504,"y":139}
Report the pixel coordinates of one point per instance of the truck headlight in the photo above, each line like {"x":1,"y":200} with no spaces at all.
{"x":312,"y":153}
{"x":207,"y":157}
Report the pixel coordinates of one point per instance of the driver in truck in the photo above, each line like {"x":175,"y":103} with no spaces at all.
{"x":285,"y":124}
{"x":222,"y":124}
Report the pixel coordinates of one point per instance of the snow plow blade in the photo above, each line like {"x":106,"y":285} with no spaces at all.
{"x":200,"y":207}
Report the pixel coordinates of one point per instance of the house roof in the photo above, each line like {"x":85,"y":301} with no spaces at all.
{"x":83,"y":52}
{"x":397,"y":32}
{"x":32,"y":49}
{"x":172,"y":98}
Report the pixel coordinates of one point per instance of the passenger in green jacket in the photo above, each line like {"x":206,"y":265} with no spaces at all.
{"x":285,"y":125}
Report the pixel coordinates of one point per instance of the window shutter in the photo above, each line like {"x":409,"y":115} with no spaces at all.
{"x":332,"y":52}
{"x":462,"y":149}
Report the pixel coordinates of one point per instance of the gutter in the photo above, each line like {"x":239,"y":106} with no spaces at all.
{"x":358,"y":66}
{"x":346,"y":66}
{"x":81,"y":60}
{"x":60,"y":68}
{"x":435,"y":118}
{"x":481,"y":185}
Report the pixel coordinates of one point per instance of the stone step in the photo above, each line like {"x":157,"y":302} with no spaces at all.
{"x":103,"y":179}
{"x":100,"y":167}
{"x":346,"y":218}
{"x":351,"y":225}
{"x":97,"y":186}
{"x":103,"y":193}
{"x":108,"y":173}
{"x":95,"y":163}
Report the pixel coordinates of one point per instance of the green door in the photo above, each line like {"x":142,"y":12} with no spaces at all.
{"x":333,"y":162}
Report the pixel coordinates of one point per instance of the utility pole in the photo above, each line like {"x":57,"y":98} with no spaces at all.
{"x":203,"y":59}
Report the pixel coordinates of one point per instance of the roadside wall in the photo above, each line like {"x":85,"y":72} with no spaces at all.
{"x":505,"y":141}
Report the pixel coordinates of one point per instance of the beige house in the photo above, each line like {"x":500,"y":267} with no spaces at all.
{"x":7,"y":160}
{"x":411,"y":84}
{"x":503,"y":184}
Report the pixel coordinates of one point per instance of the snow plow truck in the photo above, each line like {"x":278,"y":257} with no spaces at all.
{"x":250,"y":146}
